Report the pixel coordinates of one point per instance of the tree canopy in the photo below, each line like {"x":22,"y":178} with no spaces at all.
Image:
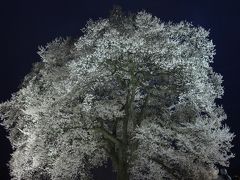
{"x":134,"y":90}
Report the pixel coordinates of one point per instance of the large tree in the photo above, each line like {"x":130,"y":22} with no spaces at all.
{"x":133,"y":90}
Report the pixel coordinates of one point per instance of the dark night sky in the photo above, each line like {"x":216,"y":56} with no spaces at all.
{"x":28,"y":24}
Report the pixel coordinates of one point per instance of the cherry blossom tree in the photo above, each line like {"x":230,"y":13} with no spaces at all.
{"x":133,"y":90}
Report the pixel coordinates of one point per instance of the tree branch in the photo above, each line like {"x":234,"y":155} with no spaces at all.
{"x":108,"y":136}
{"x":115,"y":125}
{"x":141,"y":114}
{"x":167,"y":168}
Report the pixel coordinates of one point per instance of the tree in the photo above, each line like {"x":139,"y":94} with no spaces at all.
{"x":132,"y":89}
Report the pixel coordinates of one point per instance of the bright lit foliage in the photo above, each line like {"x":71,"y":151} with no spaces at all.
{"x":132,"y":89}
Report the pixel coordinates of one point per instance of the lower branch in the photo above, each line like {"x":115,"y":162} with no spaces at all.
{"x":108,"y":136}
{"x":166,"y":167}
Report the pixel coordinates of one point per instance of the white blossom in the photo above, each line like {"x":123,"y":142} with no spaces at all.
{"x":133,"y":90}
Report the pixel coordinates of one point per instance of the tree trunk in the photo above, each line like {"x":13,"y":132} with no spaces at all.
{"x":122,"y":172}
{"x":122,"y":166}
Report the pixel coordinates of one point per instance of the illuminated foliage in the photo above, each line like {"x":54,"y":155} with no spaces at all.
{"x":132,"y":89}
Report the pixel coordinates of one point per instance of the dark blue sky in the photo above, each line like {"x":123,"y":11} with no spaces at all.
{"x":28,"y":24}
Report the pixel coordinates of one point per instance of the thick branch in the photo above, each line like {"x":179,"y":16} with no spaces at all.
{"x":125,"y":120}
{"x":108,"y":136}
{"x":143,"y":110}
{"x":166,"y":167}
{"x":138,"y":121}
{"x":115,"y":125}
{"x":128,"y":112}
